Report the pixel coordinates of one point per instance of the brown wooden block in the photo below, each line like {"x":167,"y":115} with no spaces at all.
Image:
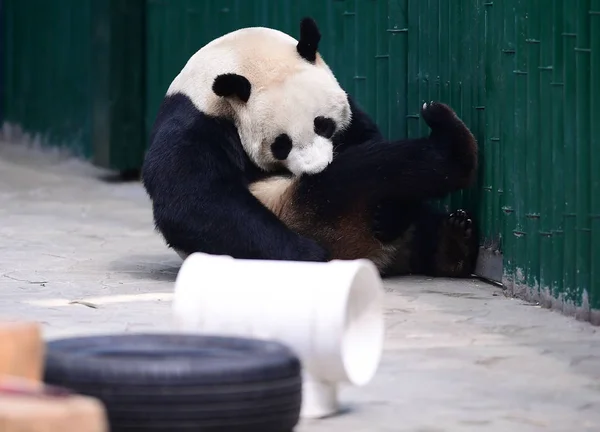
{"x":30,"y":407}
{"x":21,"y":350}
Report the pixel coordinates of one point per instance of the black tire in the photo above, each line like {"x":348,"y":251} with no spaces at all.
{"x":166,"y":382}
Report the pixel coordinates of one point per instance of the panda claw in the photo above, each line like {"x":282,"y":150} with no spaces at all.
{"x":425,"y":106}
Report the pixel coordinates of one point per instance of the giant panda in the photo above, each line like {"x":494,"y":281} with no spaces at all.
{"x":243,"y":107}
{"x":371,"y":201}
{"x":258,"y":153}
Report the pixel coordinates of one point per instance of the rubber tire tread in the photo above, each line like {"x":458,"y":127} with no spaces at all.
{"x":155,"y":382}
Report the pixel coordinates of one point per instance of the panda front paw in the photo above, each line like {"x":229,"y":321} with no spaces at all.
{"x":437,"y":114}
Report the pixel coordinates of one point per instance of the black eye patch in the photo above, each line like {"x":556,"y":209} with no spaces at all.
{"x":281,"y":147}
{"x":324,"y":127}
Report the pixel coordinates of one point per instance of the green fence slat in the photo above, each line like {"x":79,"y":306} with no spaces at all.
{"x":545,"y":187}
{"x":507,"y":135}
{"x":520,"y":142}
{"x":558,"y":149}
{"x":583,"y":125}
{"x":443,"y":39}
{"x":384,"y":107}
{"x":594,"y":294}
{"x":365,"y":49}
{"x":532,"y":150}
{"x":398,"y":31}
{"x":457,"y":28}
{"x":433,"y":14}
{"x":424,"y":66}
{"x":491,"y":117}
{"x":468,"y":79}
{"x":570,"y":134}
{"x":478,"y":126}
{"x":359,"y":77}
{"x":412,"y":93}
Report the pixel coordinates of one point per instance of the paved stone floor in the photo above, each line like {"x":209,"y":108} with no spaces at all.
{"x":78,"y":253}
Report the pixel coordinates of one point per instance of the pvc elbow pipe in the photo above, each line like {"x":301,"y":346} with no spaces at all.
{"x":330,"y":314}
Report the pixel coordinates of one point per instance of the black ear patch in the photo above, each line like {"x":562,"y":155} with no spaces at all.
{"x":281,"y":147}
{"x":309,"y":39}
{"x":231,"y":84}
{"x":324,"y":127}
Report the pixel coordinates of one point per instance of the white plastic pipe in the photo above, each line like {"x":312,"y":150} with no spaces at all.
{"x":330,"y":314}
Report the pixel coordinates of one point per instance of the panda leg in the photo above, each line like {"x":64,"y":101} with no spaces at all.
{"x":444,"y":244}
{"x":457,"y":247}
{"x":411,"y":169}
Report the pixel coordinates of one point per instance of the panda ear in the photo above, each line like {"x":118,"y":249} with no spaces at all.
{"x":309,"y":39}
{"x":231,"y":84}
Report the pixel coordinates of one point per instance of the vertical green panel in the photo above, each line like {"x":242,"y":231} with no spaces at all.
{"x":569,"y":119}
{"x":443,"y":40}
{"x":546,"y":173}
{"x":520,"y":142}
{"x":117,"y":83}
{"x":433,"y":14}
{"x":424,"y":64}
{"x":532,"y":145}
{"x":445,"y":54}
{"x":508,"y":136}
{"x":457,"y":30}
{"x":595,"y":152}
{"x":364,"y":50}
{"x":583,"y":124}
{"x":360,"y":66}
{"x":558,"y":152}
{"x":412,"y":94}
{"x":349,"y":26}
{"x":480,"y":53}
{"x":468,"y":43}
{"x":498,"y":147}
{"x":384,"y":108}
{"x":46,"y":68}
{"x":490,"y":139}
{"x":398,"y":30}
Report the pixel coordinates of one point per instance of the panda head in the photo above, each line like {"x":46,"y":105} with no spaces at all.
{"x":283,"y":98}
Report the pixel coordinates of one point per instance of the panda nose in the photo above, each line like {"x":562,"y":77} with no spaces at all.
{"x":281,"y":147}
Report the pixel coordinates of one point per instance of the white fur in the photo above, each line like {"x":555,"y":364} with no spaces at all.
{"x":287,"y":94}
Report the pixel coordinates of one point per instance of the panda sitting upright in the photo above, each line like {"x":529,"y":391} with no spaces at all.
{"x":241,"y":162}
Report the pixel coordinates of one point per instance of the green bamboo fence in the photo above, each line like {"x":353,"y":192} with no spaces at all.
{"x":523,"y":74}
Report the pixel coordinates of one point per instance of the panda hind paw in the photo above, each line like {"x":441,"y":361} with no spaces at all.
{"x":460,"y":224}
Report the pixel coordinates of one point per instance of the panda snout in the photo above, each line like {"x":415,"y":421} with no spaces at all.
{"x":311,"y":159}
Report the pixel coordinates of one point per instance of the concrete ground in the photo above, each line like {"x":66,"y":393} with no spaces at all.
{"x":78,"y":253}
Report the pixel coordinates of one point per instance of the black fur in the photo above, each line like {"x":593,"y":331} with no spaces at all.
{"x":395,"y":179}
{"x":230,"y":84}
{"x":310,"y":36}
{"x":197,"y":173}
{"x":281,"y":147}
{"x":402,"y":171}
{"x":324,"y":127}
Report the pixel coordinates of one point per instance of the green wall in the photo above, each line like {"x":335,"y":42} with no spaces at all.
{"x":47,"y":85}
{"x":73,"y":76}
{"x":523,"y":74}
